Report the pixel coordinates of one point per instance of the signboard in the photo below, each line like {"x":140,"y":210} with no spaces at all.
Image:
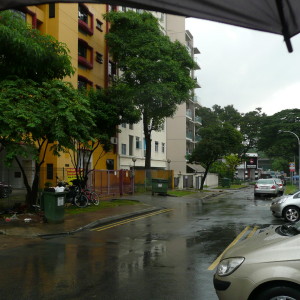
{"x":292,"y":167}
{"x":251,"y":163}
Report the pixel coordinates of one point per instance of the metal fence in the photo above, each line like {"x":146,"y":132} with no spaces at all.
{"x":105,"y":182}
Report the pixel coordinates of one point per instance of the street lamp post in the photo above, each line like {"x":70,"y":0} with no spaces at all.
{"x":133,"y":173}
{"x":281,"y":131}
{"x":169,"y":161}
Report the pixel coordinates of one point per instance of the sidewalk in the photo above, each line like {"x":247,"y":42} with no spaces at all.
{"x":73,"y":223}
{"x":82,"y":221}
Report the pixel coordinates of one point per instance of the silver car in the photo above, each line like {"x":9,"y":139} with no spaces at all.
{"x":266,"y":187}
{"x":280,"y":184}
{"x":287,"y":207}
{"x":263,"y":267}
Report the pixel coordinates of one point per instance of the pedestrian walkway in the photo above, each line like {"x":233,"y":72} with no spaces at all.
{"x":73,"y":223}
{"x":78,"y":222}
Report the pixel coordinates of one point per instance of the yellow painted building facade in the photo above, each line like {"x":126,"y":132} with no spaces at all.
{"x":82,"y":28}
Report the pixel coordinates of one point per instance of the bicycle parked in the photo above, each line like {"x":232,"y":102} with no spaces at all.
{"x":82,"y":197}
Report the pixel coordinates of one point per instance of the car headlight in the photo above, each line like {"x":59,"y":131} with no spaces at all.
{"x":281,"y":200}
{"x":229,"y":265}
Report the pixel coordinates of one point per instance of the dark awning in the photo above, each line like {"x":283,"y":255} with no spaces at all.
{"x":275,"y":16}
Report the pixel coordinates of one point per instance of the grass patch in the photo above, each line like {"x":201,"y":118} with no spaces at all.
{"x":290,"y":189}
{"x":233,"y":186}
{"x":73,"y":210}
{"x":178,"y":193}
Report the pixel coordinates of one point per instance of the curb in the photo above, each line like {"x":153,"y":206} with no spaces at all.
{"x":101,"y":222}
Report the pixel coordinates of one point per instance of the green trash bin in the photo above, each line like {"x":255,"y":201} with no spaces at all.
{"x":226,"y":182}
{"x":159,"y":186}
{"x":54,"y":206}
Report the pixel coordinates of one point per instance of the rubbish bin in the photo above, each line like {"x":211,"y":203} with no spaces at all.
{"x":54,"y":206}
{"x":159,"y":186}
{"x":226,"y":182}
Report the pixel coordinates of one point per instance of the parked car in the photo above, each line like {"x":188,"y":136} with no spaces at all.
{"x":280,"y":184}
{"x":266,"y":187}
{"x":5,"y":190}
{"x":287,"y":207}
{"x":263,"y":267}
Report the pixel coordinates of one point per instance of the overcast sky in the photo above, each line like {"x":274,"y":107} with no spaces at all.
{"x":245,"y":68}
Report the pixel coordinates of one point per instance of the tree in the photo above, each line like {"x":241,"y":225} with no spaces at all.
{"x":228,"y":114}
{"x":40,"y":117}
{"x":217,"y":141}
{"x":248,"y":124}
{"x":280,"y":145}
{"x":250,"y":127}
{"x":28,"y":54}
{"x":155,"y":71}
{"x":109,"y":111}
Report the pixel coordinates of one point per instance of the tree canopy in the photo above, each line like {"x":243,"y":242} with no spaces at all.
{"x":155,"y":70}
{"x":40,"y":117}
{"x":216,"y":142}
{"x":28,"y":54}
{"x":276,"y":144}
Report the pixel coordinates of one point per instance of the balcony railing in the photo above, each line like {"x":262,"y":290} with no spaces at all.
{"x":198,"y":120}
{"x":197,"y":138}
{"x":189,"y":113}
{"x":190,"y":135}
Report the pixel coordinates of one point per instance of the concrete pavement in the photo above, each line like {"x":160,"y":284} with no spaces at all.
{"x":78,"y":222}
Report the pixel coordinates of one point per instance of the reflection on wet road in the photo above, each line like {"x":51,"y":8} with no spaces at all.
{"x":164,"y":256}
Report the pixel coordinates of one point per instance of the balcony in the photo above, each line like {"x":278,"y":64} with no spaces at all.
{"x":197,"y":84}
{"x":197,"y":67}
{"x":189,"y":113}
{"x":190,"y":136}
{"x":198,"y":120}
{"x":197,"y":138}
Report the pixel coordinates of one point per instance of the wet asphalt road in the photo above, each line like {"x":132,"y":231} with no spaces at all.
{"x":164,"y":256}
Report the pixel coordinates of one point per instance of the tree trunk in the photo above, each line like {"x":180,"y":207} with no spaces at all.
{"x":32,"y":191}
{"x":204,"y":177}
{"x":147,"y":134}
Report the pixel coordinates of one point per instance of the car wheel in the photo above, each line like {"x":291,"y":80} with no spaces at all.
{"x":279,"y":293}
{"x":291,"y":214}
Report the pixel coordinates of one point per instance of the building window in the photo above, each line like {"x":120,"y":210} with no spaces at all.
{"x":131,"y":126}
{"x":156,"y":146}
{"x":99,"y":58}
{"x":123,"y":125}
{"x":84,"y":83}
{"x":99,"y":25}
{"x":85,"y":54}
{"x":112,"y":70}
{"x":85,"y":19}
{"x":137,"y":142}
{"x":163,"y":147}
{"x":130,"y":145}
{"x":110,"y":164}
{"x":49,"y":171}
{"x":52,"y":10}
{"x":123,"y":150}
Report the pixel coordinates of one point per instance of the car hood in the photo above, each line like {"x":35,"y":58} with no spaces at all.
{"x":266,"y":245}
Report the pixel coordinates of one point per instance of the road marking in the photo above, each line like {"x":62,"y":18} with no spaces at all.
{"x":252,"y":232}
{"x":216,"y":262}
{"x":126,"y":221}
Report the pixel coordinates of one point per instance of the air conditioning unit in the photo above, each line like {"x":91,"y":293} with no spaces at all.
{"x":114,"y":140}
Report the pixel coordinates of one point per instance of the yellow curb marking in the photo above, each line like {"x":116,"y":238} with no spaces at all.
{"x":108,"y":226}
{"x":216,"y":262}
{"x":252,"y":232}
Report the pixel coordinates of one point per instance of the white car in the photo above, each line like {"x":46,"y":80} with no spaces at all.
{"x":287,"y":207}
{"x":266,"y":187}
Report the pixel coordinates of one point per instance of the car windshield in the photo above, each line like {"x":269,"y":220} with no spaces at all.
{"x":266,"y":181}
{"x":289,"y":229}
